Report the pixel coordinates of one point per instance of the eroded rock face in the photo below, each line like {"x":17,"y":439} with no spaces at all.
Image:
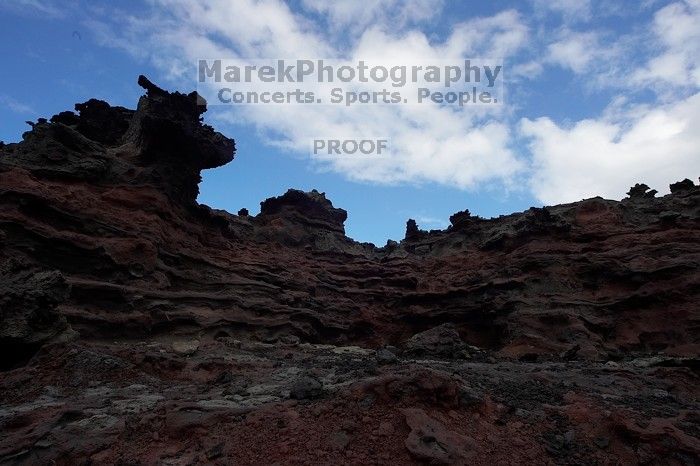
{"x":496,"y":338}
{"x":28,"y":316}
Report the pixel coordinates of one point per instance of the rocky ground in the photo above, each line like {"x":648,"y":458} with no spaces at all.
{"x":139,"y":327}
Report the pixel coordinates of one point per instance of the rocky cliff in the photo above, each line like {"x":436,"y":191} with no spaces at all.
{"x":139,"y":327}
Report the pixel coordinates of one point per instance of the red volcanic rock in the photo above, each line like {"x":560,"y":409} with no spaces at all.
{"x":430,"y":441}
{"x":139,"y":327}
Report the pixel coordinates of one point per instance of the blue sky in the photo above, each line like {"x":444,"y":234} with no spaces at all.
{"x":600,"y":95}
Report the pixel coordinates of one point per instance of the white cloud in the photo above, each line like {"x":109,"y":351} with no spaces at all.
{"x":354,"y":16}
{"x":574,"y":50}
{"x":463,"y":148}
{"x":15,"y":105}
{"x":497,"y":36}
{"x":40,"y":8}
{"x":600,"y":59}
{"x":570,"y":10}
{"x":475,"y":148}
{"x":656,"y":142}
{"x":606,"y":156}
{"x":427,"y":222}
{"x":677,"y":28}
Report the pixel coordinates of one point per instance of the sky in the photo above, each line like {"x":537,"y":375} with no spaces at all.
{"x":600,"y":95}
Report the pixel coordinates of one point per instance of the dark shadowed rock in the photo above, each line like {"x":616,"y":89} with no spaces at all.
{"x":384,"y":356}
{"x":312,"y":208}
{"x":441,"y":341}
{"x":28,"y":315}
{"x":162,"y":143}
{"x":167,"y":135}
{"x":640,"y":190}
{"x":461,"y":219}
{"x":413,"y":233}
{"x":682,"y":186}
{"x":306,"y":387}
{"x":98,"y":121}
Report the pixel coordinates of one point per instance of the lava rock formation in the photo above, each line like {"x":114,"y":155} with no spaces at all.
{"x":140,"y":327}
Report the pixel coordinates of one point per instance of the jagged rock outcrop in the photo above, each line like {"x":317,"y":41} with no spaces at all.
{"x":461,"y":219}
{"x":167,"y":136}
{"x":640,"y":190}
{"x":302,"y":219}
{"x":682,"y":186}
{"x":131,"y":312}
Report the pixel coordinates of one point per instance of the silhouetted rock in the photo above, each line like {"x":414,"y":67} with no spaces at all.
{"x":461,"y":219}
{"x":98,"y":121}
{"x":413,"y":233}
{"x":641,"y":191}
{"x":312,"y":208}
{"x":167,"y":136}
{"x":682,"y":186}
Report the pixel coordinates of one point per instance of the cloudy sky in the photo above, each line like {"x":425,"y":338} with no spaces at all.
{"x":600,"y":95}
